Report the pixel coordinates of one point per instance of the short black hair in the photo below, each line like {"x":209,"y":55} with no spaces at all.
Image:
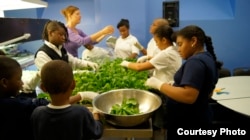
{"x":8,"y":67}
{"x":56,"y":76}
{"x":123,"y":22}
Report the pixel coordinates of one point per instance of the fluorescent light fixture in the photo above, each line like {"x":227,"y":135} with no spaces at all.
{"x":21,"y":4}
{"x":25,"y":36}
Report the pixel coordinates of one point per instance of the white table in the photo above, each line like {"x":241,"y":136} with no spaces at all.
{"x":238,"y":105}
{"x":235,"y":87}
{"x":236,"y":95}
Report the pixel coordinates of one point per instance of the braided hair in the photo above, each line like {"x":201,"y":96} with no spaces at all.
{"x":53,"y":25}
{"x":194,"y":31}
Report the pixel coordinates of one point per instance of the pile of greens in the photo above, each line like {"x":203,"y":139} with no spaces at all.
{"x":110,"y":76}
{"x":128,"y":107}
{"x":44,"y":95}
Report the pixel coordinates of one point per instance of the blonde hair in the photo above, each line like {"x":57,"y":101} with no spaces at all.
{"x":161,"y":21}
{"x":66,"y":12}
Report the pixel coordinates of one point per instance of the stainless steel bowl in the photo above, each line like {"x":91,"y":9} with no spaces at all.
{"x":148,"y":103}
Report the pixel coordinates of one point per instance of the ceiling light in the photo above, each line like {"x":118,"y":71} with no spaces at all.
{"x":21,"y":4}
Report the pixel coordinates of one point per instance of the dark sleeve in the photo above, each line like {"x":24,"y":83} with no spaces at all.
{"x":193,"y":74}
{"x":33,"y":102}
{"x":95,"y":128}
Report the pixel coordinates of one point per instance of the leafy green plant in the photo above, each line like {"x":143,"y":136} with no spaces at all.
{"x":44,"y":95}
{"x":110,"y":76}
{"x":128,"y":107}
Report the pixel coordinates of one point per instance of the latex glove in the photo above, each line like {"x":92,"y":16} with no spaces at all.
{"x":93,"y":65}
{"x":142,"y":59}
{"x":171,"y":83}
{"x":87,"y":95}
{"x":154,"y":83}
{"x":31,"y":84}
{"x":125,"y":63}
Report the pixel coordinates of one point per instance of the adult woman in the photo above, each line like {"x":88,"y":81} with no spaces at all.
{"x":77,"y":37}
{"x":187,"y":103}
{"x":126,"y":44}
{"x":152,"y":48}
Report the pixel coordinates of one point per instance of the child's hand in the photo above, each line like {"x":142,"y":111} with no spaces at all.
{"x":96,"y":114}
{"x":142,"y":59}
{"x":88,"y":95}
{"x":93,"y":65}
{"x":125,"y":63}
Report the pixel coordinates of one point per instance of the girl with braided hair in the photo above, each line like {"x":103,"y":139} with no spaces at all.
{"x":55,"y":34}
{"x":188,"y":98}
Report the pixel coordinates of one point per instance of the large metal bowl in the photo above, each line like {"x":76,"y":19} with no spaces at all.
{"x":148,"y":103}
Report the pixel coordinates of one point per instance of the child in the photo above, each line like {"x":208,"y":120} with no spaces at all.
{"x":55,"y":35}
{"x":60,"y":120}
{"x":187,"y":104}
{"x":15,"y":110}
{"x":127,"y":45}
{"x":165,"y":64}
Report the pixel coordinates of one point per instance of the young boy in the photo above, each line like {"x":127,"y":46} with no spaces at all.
{"x":60,"y":120}
{"x":15,"y":110}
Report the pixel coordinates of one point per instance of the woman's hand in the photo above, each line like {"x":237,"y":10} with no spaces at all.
{"x":108,"y":30}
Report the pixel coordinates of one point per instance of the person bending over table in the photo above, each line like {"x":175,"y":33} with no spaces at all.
{"x":188,"y":98}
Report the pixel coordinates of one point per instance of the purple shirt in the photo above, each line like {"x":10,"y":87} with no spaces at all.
{"x":76,"y":41}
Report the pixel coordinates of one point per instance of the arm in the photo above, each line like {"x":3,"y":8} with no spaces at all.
{"x":79,"y":38}
{"x":41,"y":59}
{"x":98,"y":36}
{"x":140,"y":66}
{"x":192,"y":78}
{"x":141,"y":48}
{"x":74,"y":99}
{"x":188,"y":94}
{"x":133,"y":55}
{"x":144,"y":51}
{"x":83,"y":96}
{"x":80,"y":64}
{"x":94,"y":127}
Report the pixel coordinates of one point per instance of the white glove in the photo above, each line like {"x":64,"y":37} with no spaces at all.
{"x":142,"y":59}
{"x":87,"y":95}
{"x":154,"y":83}
{"x":31,"y":83}
{"x":93,"y":65}
{"x":171,"y":83}
{"x":125,"y":63}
